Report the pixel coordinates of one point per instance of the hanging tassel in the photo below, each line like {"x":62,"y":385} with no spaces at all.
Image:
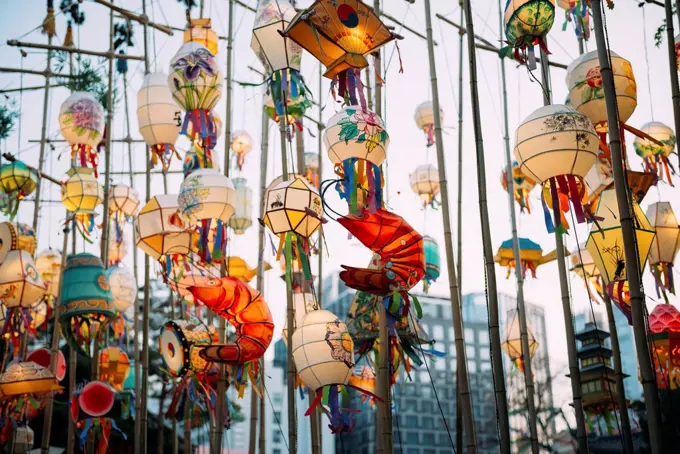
{"x":68,"y":39}
{"x":49,"y":26}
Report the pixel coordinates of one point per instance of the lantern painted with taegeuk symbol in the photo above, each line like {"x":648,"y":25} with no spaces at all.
{"x":655,"y":156}
{"x":180,"y":343}
{"x":527,"y":22}
{"x":81,"y":120}
{"x":557,"y":146}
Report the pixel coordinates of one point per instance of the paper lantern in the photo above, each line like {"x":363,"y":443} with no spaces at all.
{"x":655,"y":156}
{"x":195,"y":80}
{"x":664,"y":325}
{"x":557,"y":146}
{"x":530,"y":254}
{"x":522,"y":185}
{"x":432,"y":261}
{"x":579,"y":15}
{"x":297,"y":103}
{"x":87,"y":303}
{"x":665,"y":245}
{"x":512,"y":346}
{"x":159,"y":230}
{"x":207,"y":194}
{"x":365,"y":380}
{"x":241,"y":145}
{"x":274,"y":51}
{"x":21,"y":320}
{"x":526,"y":24}
{"x":242,"y":218}
{"x":200,"y":32}
{"x":180,"y":343}
{"x":159,"y":117}
{"x":582,"y":263}
{"x":26,"y":379}
{"x":323,"y":350}
{"x":118,"y":248}
{"x":20,"y":282}
{"x":124,"y":200}
{"x":303,"y":304}
{"x":605,"y":242}
{"x":677,"y":50}
{"x":312,"y":168}
{"x":43,"y":357}
{"x":424,"y":118}
{"x":16,"y":236}
{"x":123,"y":288}
{"x":425,"y":183}
{"x":81,"y":120}
{"x":17,"y":181}
{"x":114,"y":366}
{"x":339,"y":34}
{"x":81,"y":194}
{"x":48,"y":264}
{"x":293,"y":206}
{"x":586,"y":93}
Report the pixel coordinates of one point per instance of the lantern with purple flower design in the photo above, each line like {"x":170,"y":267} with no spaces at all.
{"x":81,"y":120}
{"x":196,"y":85}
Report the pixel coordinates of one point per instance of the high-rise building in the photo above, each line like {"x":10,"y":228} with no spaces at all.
{"x":424,"y":406}
{"x":629,"y":364}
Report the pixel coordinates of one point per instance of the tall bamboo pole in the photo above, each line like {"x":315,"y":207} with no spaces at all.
{"x":637,"y":296}
{"x":459,"y":250}
{"x":107,"y":157}
{"x":142,"y":415}
{"x":672,"y":60}
{"x":457,"y":316}
{"x":494,"y":331}
{"x":521,"y":309}
{"x":72,"y":365}
{"x":574,"y":372}
{"x":49,"y":408}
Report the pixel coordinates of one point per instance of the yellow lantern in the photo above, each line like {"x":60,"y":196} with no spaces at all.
{"x":605,"y":242}
{"x":27,"y":379}
{"x":242,"y":218}
{"x":48,"y":264}
{"x":655,"y":156}
{"x":424,"y":118}
{"x":159,"y":229}
{"x":586,"y":93}
{"x":81,"y":194}
{"x":200,"y":32}
{"x":124,"y":200}
{"x":114,"y":367}
{"x":20,"y":282}
{"x":425,"y":183}
{"x":16,"y":236}
{"x":666,"y":243}
{"x":293,"y":206}
{"x":557,"y":146}
{"x":512,"y":346}
{"x":241,"y":145}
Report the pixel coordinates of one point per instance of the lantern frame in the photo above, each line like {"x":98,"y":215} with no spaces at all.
{"x":293,"y":206}
{"x":158,"y":229}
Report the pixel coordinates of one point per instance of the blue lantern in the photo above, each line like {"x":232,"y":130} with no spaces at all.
{"x":432,"y":262}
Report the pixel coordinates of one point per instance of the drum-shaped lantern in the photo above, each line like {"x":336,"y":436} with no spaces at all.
{"x":655,"y":156}
{"x":180,"y":343}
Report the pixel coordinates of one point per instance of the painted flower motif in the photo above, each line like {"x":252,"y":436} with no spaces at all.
{"x":364,"y":127}
{"x":86,"y":114}
{"x":340,"y":342}
{"x":195,"y":63}
{"x":594,"y":78}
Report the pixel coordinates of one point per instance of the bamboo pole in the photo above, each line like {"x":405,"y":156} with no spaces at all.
{"x":633,"y":274}
{"x":673,"y":66}
{"x":107,"y":157}
{"x":141,"y":18}
{"x":521,"y":309}
{"x":22,"y":89}
{"x":73,"y":50}
{"x":30,"y":71}
{"x":457,"y":317}
{"x":49,"y":408}
{"x":72,"y":370}
{"x":574,"y":372}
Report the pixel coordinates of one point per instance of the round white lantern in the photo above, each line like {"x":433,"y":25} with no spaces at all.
{"x":425,"y":182}
{"x":273,"y":50}
{"x":303,"y":304}
{"x":117,"y":249}
{"x":586,"y":93}
{"x":293,"y":206}
{"x":159,"y":230}
{"x":242,"y":218}
{"x":123,"y":199}
{"x":20,"y":282}
{"x":424,"y":115}
{"x":123,"y":288}
{"x":81,"y":193}
{"x":241,"y":142}
{"x":195,"y":80}
{"x":48,"y":264}
{"x":323,"y":350}
{"x":207,"y":194}
{"x":159,"y":116}
{"x":81,"y":120}
{"x":646,"y":148}
{"x":555,"y":140}
{"x":356,"y":133}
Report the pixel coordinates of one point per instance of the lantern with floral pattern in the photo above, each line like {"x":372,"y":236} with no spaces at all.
{"x":655,"y":156}
{"x":81,"y":120}
{"x":526,"y":24}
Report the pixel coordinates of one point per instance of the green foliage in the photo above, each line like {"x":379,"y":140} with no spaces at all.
{"x":87,"y":77}
{"x":661,"y":31}
{"x":8,"y":115}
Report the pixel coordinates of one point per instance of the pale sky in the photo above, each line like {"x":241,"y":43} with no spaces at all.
{"x":407,"y":149}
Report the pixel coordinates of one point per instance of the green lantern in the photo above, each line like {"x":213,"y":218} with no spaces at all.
{"x":526,"y":24}
{"x":17,"y":180}
{"x":432,"y":261}
{"x":86,"y":300}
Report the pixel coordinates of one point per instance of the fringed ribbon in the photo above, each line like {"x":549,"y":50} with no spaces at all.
{"x":621,"y":297}
{"x":663,"y":277}
{"x":429,"y":134}
{"x":163,"y":153}
{"x":203,"y":131}
{"x":84,"y":155}
{"x":563,"y":189}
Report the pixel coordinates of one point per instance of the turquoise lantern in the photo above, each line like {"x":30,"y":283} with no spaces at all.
{"x":86,"y":300}
{"x":432,"y":262}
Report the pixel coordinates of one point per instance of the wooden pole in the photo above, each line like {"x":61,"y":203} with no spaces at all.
{"x":72,"y":370}
{"x":673,"y":66}
{"x":457,"y":317}
{"x":633,"y":274}
{"x":521,"y":309}
{"x":494,"y":331}
{"x":49,"y":408}
{"x":107,"y":157}
{"x":574,"y":372}
{"x":73,"y":50}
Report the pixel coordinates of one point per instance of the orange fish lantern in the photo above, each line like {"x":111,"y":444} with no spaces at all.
{"x":665,"y":245}
{"x":664,"y":326}
{"x":522,"y":185}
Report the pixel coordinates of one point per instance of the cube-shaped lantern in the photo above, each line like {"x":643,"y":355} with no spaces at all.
{"x":275,"y":51}
{"x":159,"y":229}
{"x":293,"y":206}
